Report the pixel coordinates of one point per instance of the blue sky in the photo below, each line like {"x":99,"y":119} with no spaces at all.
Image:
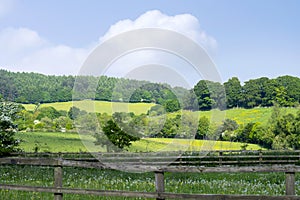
{"x":251,"y":38}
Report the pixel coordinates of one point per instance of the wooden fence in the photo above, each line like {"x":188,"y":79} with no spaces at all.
{"x":218,"y":162}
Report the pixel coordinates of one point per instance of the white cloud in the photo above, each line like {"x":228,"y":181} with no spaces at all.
{"x":184,"y":23}
{"x":23,"y":49}
{"x":18,"y":40}
{"x":56,"y":60}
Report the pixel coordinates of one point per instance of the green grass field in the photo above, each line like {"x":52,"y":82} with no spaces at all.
{"x":97,"y":106}
{"x":240,"y":115}
{"x":72,"y":142}
{"x":201,"y":183}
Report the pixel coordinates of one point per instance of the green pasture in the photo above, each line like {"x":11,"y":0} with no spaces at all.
{"x":240,"y":115}
{"x":202,"y":183}
{"x":169,"y":144}
{"x":97,"y":106}
{"x":73,"y":142}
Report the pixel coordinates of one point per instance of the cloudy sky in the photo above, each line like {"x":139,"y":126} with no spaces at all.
{"x":247,"y":39}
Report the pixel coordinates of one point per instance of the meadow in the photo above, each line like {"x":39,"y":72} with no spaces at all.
{"x":73,"y":142}
{"x":203,"y":183}
{"x":97,"y":106}
{"x":240,"y":115}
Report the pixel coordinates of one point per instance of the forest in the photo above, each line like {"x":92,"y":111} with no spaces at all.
{"x":205,"y":95}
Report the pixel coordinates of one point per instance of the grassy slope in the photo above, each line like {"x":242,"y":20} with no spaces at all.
{"x":71,"y":142}
{"x":97,"y":106}
{"x":241,"y":115}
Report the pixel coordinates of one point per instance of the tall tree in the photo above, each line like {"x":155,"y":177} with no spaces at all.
{"x":292,"y":87}
{"x":119,"y":138}
{"x":258,"y":92}
{"x":233,"y":90}
{"x":8,"y":112}
{"x":203,"y":128}
{"x":203,"y":95}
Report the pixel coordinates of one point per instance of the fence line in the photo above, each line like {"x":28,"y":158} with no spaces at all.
{"x":59,"y":163}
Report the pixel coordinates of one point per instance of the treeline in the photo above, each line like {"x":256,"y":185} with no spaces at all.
{"x":206,"y":95}
{"x":265,"y":92}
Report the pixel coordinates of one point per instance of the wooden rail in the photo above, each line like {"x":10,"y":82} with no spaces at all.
{"x":178,"y":166}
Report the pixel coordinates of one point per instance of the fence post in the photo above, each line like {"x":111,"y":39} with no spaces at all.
{"x":159,"y":183}
{"x":220,"y":157}
{"x":260,"y":157}
{"x":58,"y":180}
{"x":290,"y":183}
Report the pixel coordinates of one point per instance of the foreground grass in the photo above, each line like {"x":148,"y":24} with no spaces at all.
{"x":203,"y":183}
{"x":73,"y":142}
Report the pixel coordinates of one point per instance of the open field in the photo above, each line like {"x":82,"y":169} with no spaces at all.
{"x":240,"y":115}
{"x":205,"y":183}
{"x":71,"y":142}
{"x":97,"y":106}
{"x":197,"y":145}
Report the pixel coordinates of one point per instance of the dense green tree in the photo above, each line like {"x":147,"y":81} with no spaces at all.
{"x":286,"y":128}
{"x":171,"y":127}
{"x":203,"y":128}
{"x":172,"y":105}
{"x":8,"y":112}
{"x":49,"y":112}
{"x":25,"y":120}
{"x":63,"y":122}
{"x":38,"y":88}
{"x":226,"y":130}
{"x":243,"y":135}
{"x":233,"y":90}
{"x":258,"y":92}
{"x":282,"y":97}
{"x":292,"y":88}
{"x":119,"y":138}
{"x":189,"y":101}
{"x":210,"y":95}
{"x":75,"y":112}
{"x":203,"y":95}
{"x":217,"y":94}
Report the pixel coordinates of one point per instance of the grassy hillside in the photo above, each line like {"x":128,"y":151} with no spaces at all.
{"x":97,"y":106}
{"x":71,"y":142}
{"x":240,"y":115}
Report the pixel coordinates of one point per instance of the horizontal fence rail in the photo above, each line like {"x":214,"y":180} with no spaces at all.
{"x":212,"y":158}
{"x":159,"y":163}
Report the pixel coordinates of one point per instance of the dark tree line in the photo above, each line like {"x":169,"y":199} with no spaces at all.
{"x":284,"y":91}
{"x":206,"y":95}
